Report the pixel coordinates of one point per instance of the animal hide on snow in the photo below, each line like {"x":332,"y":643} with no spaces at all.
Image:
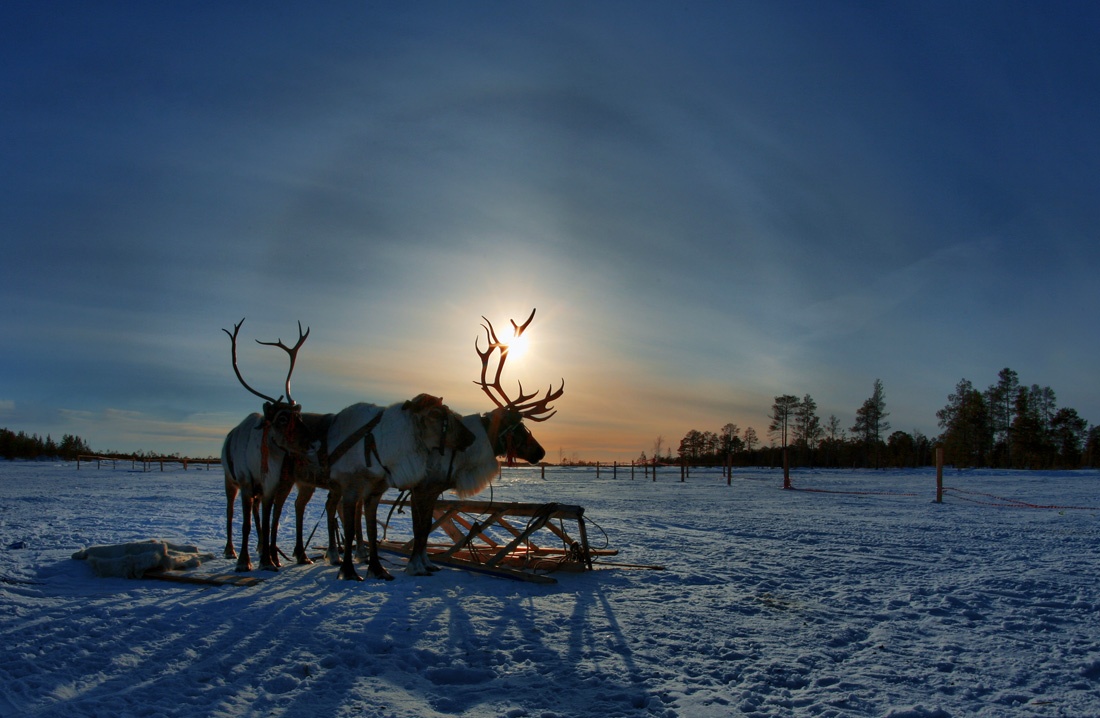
{"x":132,"y":560}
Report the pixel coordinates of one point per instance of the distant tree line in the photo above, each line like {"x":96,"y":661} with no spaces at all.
{"x":22,"y":446}
{"x":1009,"y":425}
{"x":31,"y":446}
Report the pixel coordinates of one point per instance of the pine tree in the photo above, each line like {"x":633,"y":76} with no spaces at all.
{"x":1032,"y":443}
{"x":807,"y":428}
{"x":1069,"y":432}
{"x":782,"y":416}
{"x":871,"y":421}
{"x":1001,"y":400}
{"x":966,"y":423}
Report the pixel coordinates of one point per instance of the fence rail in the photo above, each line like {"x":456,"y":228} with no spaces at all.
{"x":147,"y":462}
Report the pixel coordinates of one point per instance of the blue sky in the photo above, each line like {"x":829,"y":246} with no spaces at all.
{"x":710,"y":204}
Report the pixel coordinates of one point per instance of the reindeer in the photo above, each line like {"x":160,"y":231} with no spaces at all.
{"x":254,"y":451}
{"x":500,"y":432}
{"x":436,"y":428}
{"x":400,"y":438}
{"x":236,"y":444}
{"x":377,"y":447}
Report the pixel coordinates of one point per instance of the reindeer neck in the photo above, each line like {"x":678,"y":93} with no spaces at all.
{"x":477,"y":465}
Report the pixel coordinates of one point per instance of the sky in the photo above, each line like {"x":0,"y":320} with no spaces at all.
{"x":709,"y":204}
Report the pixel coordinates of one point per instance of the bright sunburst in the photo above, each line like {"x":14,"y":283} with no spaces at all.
{"x":517,"y":346}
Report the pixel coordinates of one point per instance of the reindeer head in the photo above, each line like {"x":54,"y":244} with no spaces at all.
{"x":282,"y":419}
{"x":440,"y":427}
{"x":504,"y":424}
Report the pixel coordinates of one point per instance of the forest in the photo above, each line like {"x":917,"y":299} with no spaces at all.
{"x":23,"y":446}
{"x":1008,"y":425}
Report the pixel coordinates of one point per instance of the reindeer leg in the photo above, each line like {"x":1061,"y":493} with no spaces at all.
{"x":332,"y":506}
{"x":230,"y":499}
{"x":244,"y":563}
{"x":266,"y":562}
{"x":362,"y":550}
{"x":347,"y":566}
{"x":256,"y":522}
{"x":370,"y":509}
{"x":305,"y":493}
{"x":273,"y":538}
{"x":422,"y":502}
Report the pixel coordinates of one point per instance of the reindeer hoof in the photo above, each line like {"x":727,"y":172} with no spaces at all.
{"x":381,"y":573}
{"x":304,"y":560}
{"x":347,"y":573}
{"x":230,"y":553}
{"x":420,"y":567}
{"x":244,"y":567}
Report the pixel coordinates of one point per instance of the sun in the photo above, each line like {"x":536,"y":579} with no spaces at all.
{"x":517,"y":347}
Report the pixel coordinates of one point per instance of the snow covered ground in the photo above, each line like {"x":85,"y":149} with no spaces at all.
{"x":772,"y":603}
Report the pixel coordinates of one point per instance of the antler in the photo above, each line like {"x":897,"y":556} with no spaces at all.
{"x":533,"y":409}
{"x":293,"y":358}
{"x":233,"y":339}
{"x":293,"y":355}
{"x":522,"y":403}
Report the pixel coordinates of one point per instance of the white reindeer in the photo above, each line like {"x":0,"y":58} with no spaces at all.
{"x":235,"y":444}
{"x":253,"y":455}
{"x":375,"y":447}
{"x":500,"y":432}
{"x":352,"y":454}
{"x":243,"y":462}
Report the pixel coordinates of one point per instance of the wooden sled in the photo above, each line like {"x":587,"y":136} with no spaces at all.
{"x":500,"y":540}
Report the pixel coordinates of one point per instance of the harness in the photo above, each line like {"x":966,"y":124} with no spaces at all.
{"x":504,"y":444}
{"x":370,"y":446}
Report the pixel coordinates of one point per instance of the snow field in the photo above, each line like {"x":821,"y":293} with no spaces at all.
{"x":772,"y":602}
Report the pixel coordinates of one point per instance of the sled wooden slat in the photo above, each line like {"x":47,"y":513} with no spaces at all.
{"x":468,"y":527}
{"x":469,"y":564}
{"x":474,"y":530}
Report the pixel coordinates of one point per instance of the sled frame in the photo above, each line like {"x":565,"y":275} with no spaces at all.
{"x":496,"y":536}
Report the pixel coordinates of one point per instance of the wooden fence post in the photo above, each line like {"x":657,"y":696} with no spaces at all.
{"x":786,"y":470}
{"x":939,"y":474}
